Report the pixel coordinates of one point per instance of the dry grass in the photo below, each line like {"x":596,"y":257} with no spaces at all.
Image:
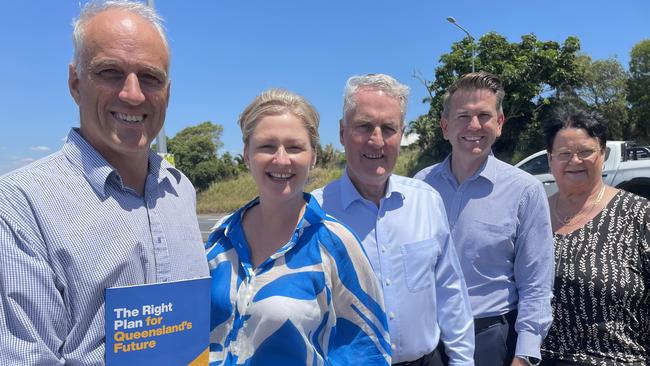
{"x":320,"y":177}
{"x":407,"y":162}
{"x":227,"y":196}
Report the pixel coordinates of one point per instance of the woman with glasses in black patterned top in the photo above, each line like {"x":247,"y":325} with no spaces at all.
{"x":601,"y":305}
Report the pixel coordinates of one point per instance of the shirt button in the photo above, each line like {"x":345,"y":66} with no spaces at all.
{"x":387,"y":282}
{"x":383,"y":249}
{"x":393,"y":346}
{"x":391,"y":315}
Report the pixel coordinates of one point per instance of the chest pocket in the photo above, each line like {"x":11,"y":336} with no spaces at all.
{"x":493,"y":243}
{"x":419,"y":260}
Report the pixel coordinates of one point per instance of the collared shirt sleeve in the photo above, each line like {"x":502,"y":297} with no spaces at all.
{"x":533,"y":270}
{"x":454,"y":312}
{"x":33,"y":320}
{"x":361,"y":329}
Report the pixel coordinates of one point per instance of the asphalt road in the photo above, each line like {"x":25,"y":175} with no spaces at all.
{"x":206,"y":222}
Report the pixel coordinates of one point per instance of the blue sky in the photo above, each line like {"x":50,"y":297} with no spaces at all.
{"x":225,"y":52}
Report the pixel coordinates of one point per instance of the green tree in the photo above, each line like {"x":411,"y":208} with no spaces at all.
{"x":533,"y":72}
{"x":228,"y":166}
{"x":240,"y":163}
{"x":195,"y":153}
{"x":329,"y":157}
{"x":605,"y":90}
{"x":639,"y":90}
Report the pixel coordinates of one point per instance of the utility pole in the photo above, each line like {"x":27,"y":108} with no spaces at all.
{"x":161,"y":140}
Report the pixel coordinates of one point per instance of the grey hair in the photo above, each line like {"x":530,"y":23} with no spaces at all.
{"x":380,"y":82}
{"x":94,"y":7}
{"x":475,"y":81}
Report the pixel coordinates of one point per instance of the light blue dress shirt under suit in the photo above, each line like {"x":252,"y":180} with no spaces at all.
{"x":314,"y":302}
{"x":68,"y":230}
{"x":501,"y":227}
{"x":408,"y":242}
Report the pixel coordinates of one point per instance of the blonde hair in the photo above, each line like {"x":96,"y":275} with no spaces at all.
{"x":276,"y":102}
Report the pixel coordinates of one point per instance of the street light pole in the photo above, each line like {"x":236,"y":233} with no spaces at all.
{"x":161,"y":139}
{"x":471,"y":39}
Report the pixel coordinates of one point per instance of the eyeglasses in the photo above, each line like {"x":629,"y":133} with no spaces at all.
{"x":565,"y":156}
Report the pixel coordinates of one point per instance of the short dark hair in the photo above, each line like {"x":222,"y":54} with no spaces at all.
{"x":568,"y":115}
{"x":475,"y":81}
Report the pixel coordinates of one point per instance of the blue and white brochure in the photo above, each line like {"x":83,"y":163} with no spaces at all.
{"x":165,"y":323}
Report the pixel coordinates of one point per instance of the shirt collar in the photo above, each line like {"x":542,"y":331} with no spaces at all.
{"x":349,"y":192}
{"x":487,"y":170}
{"x":313,"y":213}
{"x":97,"y":170}
{"x":162,"y":169}
{"x":233,"y":228}
{"x":88,"y":160}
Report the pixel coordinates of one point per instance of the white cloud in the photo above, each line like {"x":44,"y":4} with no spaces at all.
{"x":18,"y":161}
{"x":24,"y":161}
{"x":39,"y":148}
{"x":14,"y":162}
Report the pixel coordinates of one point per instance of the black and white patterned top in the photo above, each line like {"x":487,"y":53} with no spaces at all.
{"x":601,"y":307}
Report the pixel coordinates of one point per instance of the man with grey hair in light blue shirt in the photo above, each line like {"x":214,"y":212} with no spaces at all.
{"x":104,"y":211}
{"x":403,"y":228}
{"x":500,"y":223}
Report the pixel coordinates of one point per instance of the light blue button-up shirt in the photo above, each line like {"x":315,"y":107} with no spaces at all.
{"x":501,"y":226}
{"x":408,"y":242}
{"x":313,"y":302}
{"x":68,"y":230}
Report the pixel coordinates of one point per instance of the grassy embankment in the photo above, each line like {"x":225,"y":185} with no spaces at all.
{"x":228,"y":196}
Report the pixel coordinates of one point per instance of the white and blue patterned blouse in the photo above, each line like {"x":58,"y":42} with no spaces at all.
{"x":315,"y":301}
